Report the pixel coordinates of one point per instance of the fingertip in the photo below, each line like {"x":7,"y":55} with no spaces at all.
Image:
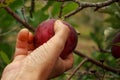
{"x":23,"y":34}
{"x":22,"y":38}
{"x":69,"y":61}
{"x":30,"y":37}
{"x":70,"y":58}
{"x":61,"y":30}
{"x":24,"y":30}
{"x":31,"y":41}
{"x":59,"y":25}
{"x":22,"y":42}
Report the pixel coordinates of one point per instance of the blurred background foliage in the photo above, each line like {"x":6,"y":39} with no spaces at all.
{"x":97,"y":29}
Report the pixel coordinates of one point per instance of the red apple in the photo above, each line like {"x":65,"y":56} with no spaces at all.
{"x":46,"y":30}
{"x":116,"y":46}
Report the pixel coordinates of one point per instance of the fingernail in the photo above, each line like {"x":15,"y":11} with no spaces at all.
{"x":24,"y":29}
{"x":59,"y":22}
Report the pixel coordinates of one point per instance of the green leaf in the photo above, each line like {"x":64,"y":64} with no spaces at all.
{"x":16,"y":4}
{"x":95,"y":38}
{"x":6,"y":20}
{"x":7,"y":48}
{"x":6,"y":3}
{"x":49,"y":3}
{"x":114,"y":21}
{"x":19,"y":13}
{"x":38,"y":17}
{"x":55,"y":9}
{"x":114,"y":12}
{"x":69,"y":7}
{"x":4,"y":57}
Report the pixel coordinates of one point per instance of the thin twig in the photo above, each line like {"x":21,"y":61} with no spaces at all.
{"x":77,"y":68}
{"x":97,"y":62}
{"x":23,"y":13}
{"x":8,"y":32}
{"x":14,"y":15}
{"x":103,"y":72}
{"x":83,"y":5}
{"x":74,"y":12}
{"x":61,"y":10}
{"x":32,"y":8}
{"x":94,"y":72}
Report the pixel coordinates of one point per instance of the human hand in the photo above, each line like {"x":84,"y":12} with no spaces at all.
{"x":41,"y":63}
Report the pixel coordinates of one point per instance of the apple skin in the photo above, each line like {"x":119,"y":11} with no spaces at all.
{"x":46,"y":30}
{"x":115,"y":49}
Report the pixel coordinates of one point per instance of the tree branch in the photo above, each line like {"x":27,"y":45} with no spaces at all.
{"x":97,"y":62}
{"x":83,"y":5}
{"x":14,"y":15}
{"x":77,"y":68}
{"x":32,"y":8}
{"x":61,"y":10}
{"x":8,"y":32}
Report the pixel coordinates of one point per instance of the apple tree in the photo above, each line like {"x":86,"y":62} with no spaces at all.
{"x":97,"y":53}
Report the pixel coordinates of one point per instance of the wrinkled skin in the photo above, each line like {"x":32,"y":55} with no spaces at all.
{"x":46,"y":30}
{"x":41,"y":63}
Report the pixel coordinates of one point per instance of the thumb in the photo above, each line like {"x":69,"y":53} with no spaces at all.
{"x":51,"y":50}
{"x":22,"y":42}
